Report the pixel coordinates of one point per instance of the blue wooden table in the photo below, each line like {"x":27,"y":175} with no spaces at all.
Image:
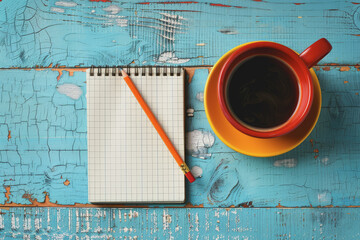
{"x":312,"y":191}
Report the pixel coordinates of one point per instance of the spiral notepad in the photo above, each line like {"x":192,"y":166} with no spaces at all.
{"x":127,"y":160}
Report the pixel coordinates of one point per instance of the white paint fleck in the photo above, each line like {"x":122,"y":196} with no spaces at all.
{"x":114,"y":41}
{"x":196,"y":222}
{"x":58,"y":219}
{"x":229,"y":31}
{"x":324,"y":198}
{"x":66,"y":4}
{"x":56,"y":9}
{"x":71,"y":90}
{"x":288,"y":163}
{"x":48,"y":220}
{"x":217,"y":228}
{"x":169,"y":57}
{"x":190,"y":112}
{"x":87,"y":221}
{"x":201,"y":44}
{"x":113,"y":9}
{"x":166,"y":220}
{"x":171,"y":21}
{"x":37,"y":224}
{"x":133,"y":214}
{"x":26,"y":237}
{"x":69,"y":219}
{"x":121,"y":22}
{"x":125,"y":229}
{"x":167,"y":37}
{"x":177,"y":228}
{"x":27,"y":223}
{"x":173,"y":16}
{"x":198,"y":142}
{"x":2,"y":226}
{"x":154,"y":221}
{"x":13,"y":226}
{"x":200,"y":96}
{"x":325,"y":160}
{"x":98,"y":229}
{"x":93,"y":11}
{"x":197,"y":171}
{"x":77,"y":220}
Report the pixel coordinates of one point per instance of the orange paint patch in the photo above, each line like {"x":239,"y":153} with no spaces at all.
{"x":346,"y":81}
{"x":357,"y":94}
{"x":67,"y":182}
{"x":344,"y":69}
{"x":357,"y":67}
{"x":357,"y":35}
{"x":99,"y":0}
{"x":312,"y":142}
{"x":279,"y":206}
{"x":184,"y":2}
{"x":28,"y":197}
{"x":299,"y":3}
{"x":247,"y":205}
{"x":9,"y":135}
{"x":316,"y":150}
{"x":7,"y":194}
{"x":228,"y":208}
{"x":317,"y":68}
{"x":189,"y":205}
{"x":70,"y":70}
{"x":327,"y":206}
{"x":219,"y":5}
{"x":191,"y":70}
{"x":355,"y":3}
{"x":326,"y":68}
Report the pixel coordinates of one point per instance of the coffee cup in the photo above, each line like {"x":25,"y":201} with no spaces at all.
{"x":265,"y":89}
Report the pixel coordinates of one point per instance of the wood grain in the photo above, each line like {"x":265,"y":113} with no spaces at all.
{"x":44,"y":163}
{"x":84,"y":33}
{"x":211,"y":223}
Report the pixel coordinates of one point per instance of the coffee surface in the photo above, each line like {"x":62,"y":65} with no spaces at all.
{"x":262,"y":92}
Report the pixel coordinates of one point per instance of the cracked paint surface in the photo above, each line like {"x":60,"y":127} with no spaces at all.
{"x":175,"y":223}
{"x":173,"y":33}
{"x":48,"y":135}
{"x":198,"y":142}
{"x":48,"y":140}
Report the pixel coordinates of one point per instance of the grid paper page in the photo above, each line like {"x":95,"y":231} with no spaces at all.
{"x":127,"y":159}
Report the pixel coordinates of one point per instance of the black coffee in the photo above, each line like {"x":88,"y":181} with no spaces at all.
{"x":262,"y":92}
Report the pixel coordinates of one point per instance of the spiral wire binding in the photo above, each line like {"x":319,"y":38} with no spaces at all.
{"x":137,"y":71}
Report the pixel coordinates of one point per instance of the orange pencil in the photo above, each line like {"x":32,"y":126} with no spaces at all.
{"x":158,"y":127}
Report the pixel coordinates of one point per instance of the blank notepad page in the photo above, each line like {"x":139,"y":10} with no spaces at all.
{"x":127,"y":159}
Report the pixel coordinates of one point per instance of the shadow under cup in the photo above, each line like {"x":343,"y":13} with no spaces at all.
{"x":265,"y":90}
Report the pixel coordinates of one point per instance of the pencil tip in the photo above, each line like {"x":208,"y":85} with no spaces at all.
{"x":123,"y":73}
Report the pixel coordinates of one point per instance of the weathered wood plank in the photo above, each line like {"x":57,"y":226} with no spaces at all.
{"x":211,"y":223}
{"x":45,"y":152}
{"x":82,"y":32}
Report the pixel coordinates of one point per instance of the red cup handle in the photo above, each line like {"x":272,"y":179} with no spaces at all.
{"x":313,"y":54}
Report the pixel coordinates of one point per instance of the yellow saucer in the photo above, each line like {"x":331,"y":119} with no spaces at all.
{"x":252,"y":146}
